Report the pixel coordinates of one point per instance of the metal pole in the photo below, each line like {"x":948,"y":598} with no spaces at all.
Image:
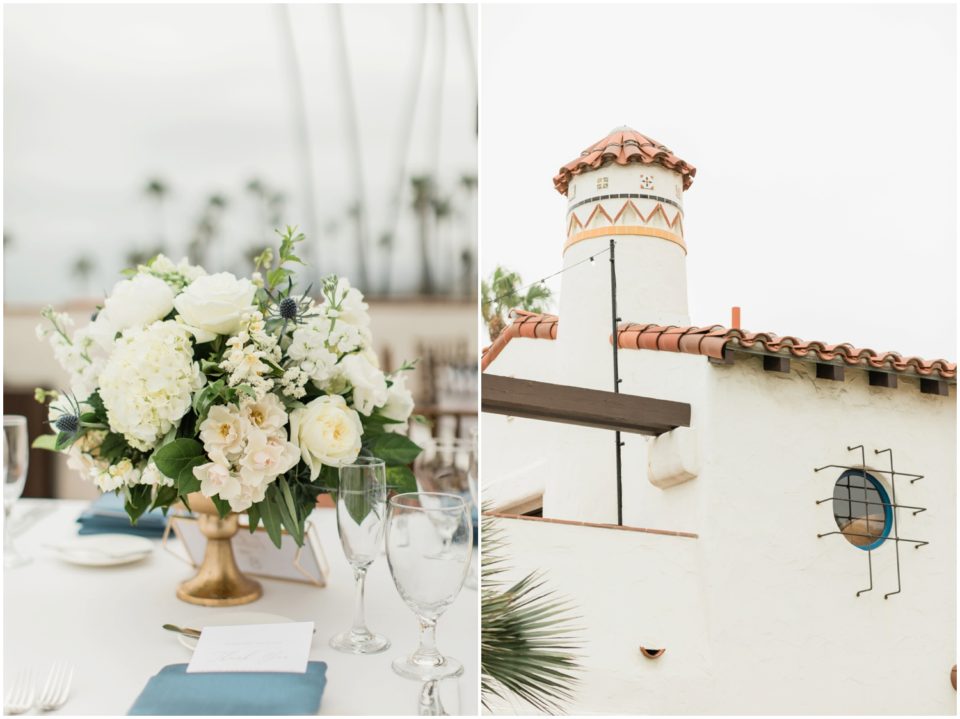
{"x":616,"y":369}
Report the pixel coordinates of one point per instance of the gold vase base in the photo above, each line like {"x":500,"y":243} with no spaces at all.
{"x":201,"y":591}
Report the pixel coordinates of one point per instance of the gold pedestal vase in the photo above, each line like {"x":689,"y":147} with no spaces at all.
{"x":219,"y":581}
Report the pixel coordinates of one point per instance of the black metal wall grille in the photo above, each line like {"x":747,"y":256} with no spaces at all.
{"x":894,"y":536}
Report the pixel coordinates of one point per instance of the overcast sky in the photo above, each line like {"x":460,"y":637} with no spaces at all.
{"x":97,"y":98}
{"x":824,"y":139}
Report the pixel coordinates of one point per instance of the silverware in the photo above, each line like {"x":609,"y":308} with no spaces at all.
{"x":19,"y":697}
{"x":57,"y":687}
{"x":185,"y":631}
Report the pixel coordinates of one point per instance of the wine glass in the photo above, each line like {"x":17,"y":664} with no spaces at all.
{"x":361,"y":506}
{"x":428,"y":563}
{"x":15,"y":459}
{"x":444,"y":467}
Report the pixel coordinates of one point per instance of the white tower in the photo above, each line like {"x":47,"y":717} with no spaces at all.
{"x":629,"y":188}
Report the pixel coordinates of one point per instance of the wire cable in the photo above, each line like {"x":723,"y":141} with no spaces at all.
{"x":518,"y":291}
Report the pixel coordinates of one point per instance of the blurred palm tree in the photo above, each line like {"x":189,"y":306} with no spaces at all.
{"x":443,"y":245}
{"x":207,"y":229}
{"x":157,"y":191}
{"x":389,"y":236}
{"x":82,"y":270}
{"x":348,"y":103}
{"x":468,"y":266}
{"x":304,"y":159}
{"x":422,"y":204}
{"x":503,"y":292}
{"x":528,"y":639}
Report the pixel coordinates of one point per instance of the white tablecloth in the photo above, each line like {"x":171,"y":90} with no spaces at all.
{"x":107,"y":622}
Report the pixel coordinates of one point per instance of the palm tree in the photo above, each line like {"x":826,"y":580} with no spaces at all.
{"x":422,"y":203}
{"x":389,"y":235}
{"x":81,"y":269}
{"x":311,"y":251}
{"x":442,"y":210}
{"x":502,"y":292}
{"x":468,"y":265}
{"x":348,"y":103}
{"x":528,"y":640}
{"x":207,"y":229}
{"x":157,"y":190}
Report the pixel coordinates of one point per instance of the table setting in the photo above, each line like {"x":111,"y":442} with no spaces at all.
{"x":238,"y":410}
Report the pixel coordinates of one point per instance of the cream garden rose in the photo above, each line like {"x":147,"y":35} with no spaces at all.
{"x":369,"y":384}
{"x":215,"y":304}
{"x":136,"y":302}
{"x":327,"y":432}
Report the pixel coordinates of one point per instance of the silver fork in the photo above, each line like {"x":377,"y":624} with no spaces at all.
{"x":19,"y":696}
{"x":57,"y":688}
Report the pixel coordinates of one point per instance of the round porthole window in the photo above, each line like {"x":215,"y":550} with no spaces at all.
{"x":861,"y":507}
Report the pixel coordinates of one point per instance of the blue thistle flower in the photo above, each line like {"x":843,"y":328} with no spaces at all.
{"x":67,"y":423}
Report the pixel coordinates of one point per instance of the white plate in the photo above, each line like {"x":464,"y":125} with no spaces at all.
{"x":103,"y":550}
{"x":224,"y":620}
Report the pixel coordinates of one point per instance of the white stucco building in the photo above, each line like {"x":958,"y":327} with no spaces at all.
{"x":731,"y":558}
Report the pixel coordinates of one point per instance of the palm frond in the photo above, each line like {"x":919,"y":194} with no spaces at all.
{"x":529,"y":640}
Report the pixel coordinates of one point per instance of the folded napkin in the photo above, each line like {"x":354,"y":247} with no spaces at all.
{"x":173,"y":692}
{"x":106,"y":516}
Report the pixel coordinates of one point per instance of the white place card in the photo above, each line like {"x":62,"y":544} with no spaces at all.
{"x":281,"y":647}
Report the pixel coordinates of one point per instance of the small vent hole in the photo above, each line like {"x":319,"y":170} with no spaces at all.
{"x":652,"y":653}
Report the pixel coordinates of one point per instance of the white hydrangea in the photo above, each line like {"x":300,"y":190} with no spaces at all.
{"x":399,"y":405}
{"x":147,"y":384}
{"x":249,"y":448}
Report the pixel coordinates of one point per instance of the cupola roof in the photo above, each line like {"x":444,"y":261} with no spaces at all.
{"x":623,"y":145}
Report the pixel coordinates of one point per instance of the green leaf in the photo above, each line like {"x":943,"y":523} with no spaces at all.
{"x":222,"y":505}
{"x":288,"y":511}
{"x":137,"y":501}
{"x":165,"y":497}
{"x":97,"y":405}
{"x":270,"y":516}
{"x":45,"y":441}
{"x":177,"y":459}
{"x":401,"y":479}
{"x":114,"y":447}
{"x":393,"y":448}
{"x":64,"y":440}
{"x":254,"y":514}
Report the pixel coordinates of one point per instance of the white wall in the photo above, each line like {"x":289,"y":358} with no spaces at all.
{"x":777,"y":627}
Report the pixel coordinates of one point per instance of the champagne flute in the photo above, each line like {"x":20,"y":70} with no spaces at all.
{"x":428,"y":563}
{"x":361,"y":506}
{"x":15,"y":459}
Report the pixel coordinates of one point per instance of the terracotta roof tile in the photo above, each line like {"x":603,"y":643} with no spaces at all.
{"x":624,"y":146}
{"x":713,"y":340}
{"x":525,"y":324}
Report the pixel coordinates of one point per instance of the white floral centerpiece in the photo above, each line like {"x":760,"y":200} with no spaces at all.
{"x":235,"y":388}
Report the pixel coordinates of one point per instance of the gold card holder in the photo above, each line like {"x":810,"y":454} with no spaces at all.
{"x":255,"y":553}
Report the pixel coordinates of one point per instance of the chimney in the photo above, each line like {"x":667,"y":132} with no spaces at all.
{"x":735,"y":318}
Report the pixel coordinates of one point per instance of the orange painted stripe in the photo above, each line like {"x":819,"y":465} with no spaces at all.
{"x":621,"y":230}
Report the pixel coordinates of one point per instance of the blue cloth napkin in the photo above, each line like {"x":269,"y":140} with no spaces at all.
{"x":106,"y":516}
{"x":173,"y":692}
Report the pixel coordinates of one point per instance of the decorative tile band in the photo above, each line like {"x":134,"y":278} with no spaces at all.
{"x":626,"y":196}
{"x":620,"y":230}
{"x":596,"y":525}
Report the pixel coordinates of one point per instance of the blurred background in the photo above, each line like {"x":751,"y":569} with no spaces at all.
{"x":195,"y":130}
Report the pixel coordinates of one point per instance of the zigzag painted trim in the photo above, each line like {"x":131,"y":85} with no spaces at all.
{"x":676,"y":222}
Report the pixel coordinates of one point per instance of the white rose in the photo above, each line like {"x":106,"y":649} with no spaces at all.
{"x":214,"y":304}
{"x":136,"y":302}
{"x":327,"y":432}
{"x":215,"y":479}
{"x":399,"y":404}
{"x":369,"y":384}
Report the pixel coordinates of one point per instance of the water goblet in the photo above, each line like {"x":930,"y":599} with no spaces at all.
{"x":444,"y":467}
{"x":15,"y":460}
{"x":361,"y":509}
{"x":428,"y":559}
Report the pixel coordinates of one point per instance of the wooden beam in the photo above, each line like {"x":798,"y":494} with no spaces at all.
{"x":581,"y":406}
{"x":727,"y":357}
